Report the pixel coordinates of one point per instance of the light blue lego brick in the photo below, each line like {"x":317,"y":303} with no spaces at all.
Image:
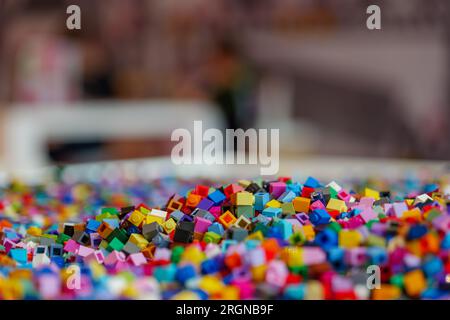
{"x":272,"y":212}
{"x":113,"y":223}
{"x":19,"y":255}
{"x":260,"y":200}
{"x":216,"y":228}
{"x":312,"y":182}
{"x":287,"y":196}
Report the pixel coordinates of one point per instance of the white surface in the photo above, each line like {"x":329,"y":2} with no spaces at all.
{"x":29,"y":128}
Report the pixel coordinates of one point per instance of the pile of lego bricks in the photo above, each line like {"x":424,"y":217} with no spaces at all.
{"x":174,"y":239}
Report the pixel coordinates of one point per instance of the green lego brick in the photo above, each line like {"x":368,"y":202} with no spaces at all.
{"x":297,"y":238}
{"x":211,"y":237}
{"x":288,"y":208}
{"x":115,"y":244}
{"x":119,"y":234}
{"x":111,"y":211}
{"x":336,"y":227}
{"x":397,"y":280}
{"x":246,"y":211}
{"x":62,"y":238}
{"x":177,"y":252}
{"x":101,"y":216}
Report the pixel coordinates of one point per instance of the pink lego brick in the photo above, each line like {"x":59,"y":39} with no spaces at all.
{"x":343,"y":195}
{"x":257,"y":257}
{"x":85,"y":251}
{"x":137,"y":259}
{"x":355,"y":257}
{"x":340,"y":283}
{"x":120,"y":266}
{"x":368,"y":214}
{"x":442,"y":223}
{"x":201,"y":225}
{"x":71,"y":246}
{"x":354,"y":222}
{"x":312,"y":255}
{"x":8,"y":244}
{"x":246,"y":289}
{"x":366,"y":202}
{"x":49,"y":286}
{"x":276,"y":189}
{"x":114,"y":257}
{"x":399,"y":208}
{"x":95,"y":256}
{"x":276,"y":273}
{"x":215,"y":211}
{"x":317,"y":205}
{"x":162,"y":254}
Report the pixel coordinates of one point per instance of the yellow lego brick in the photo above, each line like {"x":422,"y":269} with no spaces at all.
{"x":186,"y":295}
{"x":169,"y":225}
{"x":371,"y":193}
{"x":259,"y":272}
{"x":230,"y":293}
{"x":227,"y":219}
{"x":243,"y":198}
{"x":211,"y":284}
{"x":336,"y":204}
{"x":256,"y":236}
{"x":244,"y":183}
{"x":413,"y":213}
{"x":301,"y":204}
{"x":149,"y":219}
{"x":193,"y":254}
{"x":273,"y":204}
{"x":136,"y":218}
{"x":314,"y":290}
{"x":349,"y":238}
{"x":309,"y":232}
{"x":293,"y":256}
{"x":138,"y":240}
{"x":130,"y":292}
{"x":386,"y":292}
{"x":98,"y":270}
{"x":409,"y":202}
{"x":11,"y":289}
{"x":34,"y":231}
{"x":415,"y":283}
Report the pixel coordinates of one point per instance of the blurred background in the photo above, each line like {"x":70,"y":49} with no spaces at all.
{"x":137,"y":69}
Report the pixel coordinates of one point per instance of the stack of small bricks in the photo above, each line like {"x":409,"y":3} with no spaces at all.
{"x":280,"y":239}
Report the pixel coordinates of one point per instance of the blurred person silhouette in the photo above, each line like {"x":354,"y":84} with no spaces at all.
{"x":231,"y":85}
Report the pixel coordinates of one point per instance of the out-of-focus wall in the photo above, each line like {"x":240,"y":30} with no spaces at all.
{"x":309,"y":68}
